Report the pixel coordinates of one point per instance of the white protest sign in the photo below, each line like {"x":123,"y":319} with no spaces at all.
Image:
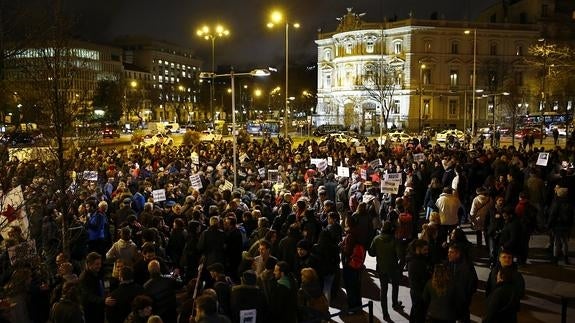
{"x":374,"y":163}
{"x":322,"y":165}
{"x":330,"y":161}
{"x":159,"y":195}
{"x":315,"y":161}
{"x":419,"y":157}
{"x":342,"y":171}
{"x":248,"y":316}
{"x":389,"y":187}
{"x":363,"y":174}
{"x":262,"y":172}
{"x":310,"y":148}
{"x":195,"y":158}
{"x":543,"y":159}
{"x":394,"y":177}
{"x":90,"y":175}
{"x":196,"y":181}
{"x":228,"y":185}
{"x":360,"y":149}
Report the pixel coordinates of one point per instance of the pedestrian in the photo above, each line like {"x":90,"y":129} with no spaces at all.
{"x":419,"y":272}
{"x":560,"y":222}
{"x":92,"y":291}
{"x":384,"y":248}
{"x":502,"y":303}
{"x":440,"y":296}
{"x":464,"y":281}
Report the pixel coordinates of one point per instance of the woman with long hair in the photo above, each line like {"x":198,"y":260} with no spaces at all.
{"x":439,"y":296}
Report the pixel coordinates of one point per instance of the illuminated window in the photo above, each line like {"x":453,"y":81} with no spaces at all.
{"x":397,"y":48}
{"x":159,"y":61}
{"x":453,"y":78}
{"x":183,"y":73}
{"x":160,"y":78}
{"x":172,"y":65}
{"x":327,"y":80}
{"x":369,"y":45}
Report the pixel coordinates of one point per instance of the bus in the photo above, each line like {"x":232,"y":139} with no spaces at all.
{"x":271,"y":127}
{"x":254,"y":127}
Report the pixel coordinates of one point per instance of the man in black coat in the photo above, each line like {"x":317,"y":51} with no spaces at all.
{"x":418,"y":267}
{"x":464,"y":279}
{"x":283,"y":303}
{"x":163,"y":291}
{"x":92,"y":289}
{"x":119,"y":303}
{"x":233,"y":248}
{"x":560,"y":222}
{"x":505,"y":261}
{"x":502,"y":303}
{"x":248,"y":297}
{"x":512,"y":232}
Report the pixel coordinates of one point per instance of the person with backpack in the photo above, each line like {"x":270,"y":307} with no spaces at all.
{"x":560,"y":221}
{"x":385,"y":248}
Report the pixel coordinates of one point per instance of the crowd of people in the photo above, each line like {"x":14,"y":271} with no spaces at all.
{"x":289,"y":238}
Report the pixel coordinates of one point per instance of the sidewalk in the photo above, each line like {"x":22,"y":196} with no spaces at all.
{"x":539,"y":305}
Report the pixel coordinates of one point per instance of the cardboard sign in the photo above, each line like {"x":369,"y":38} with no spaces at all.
{"x":228,"y":185}
{"x":262,"y":172}
{"x":195,"y":158}
{"x":419,"y":157}
{"x":90,"y":175}
{"x":315,"y":161}
{"x":360,"y":149}
{"x":393,"y":177}
{"x":363,"y":174}
{"x":273,"y":176}
{"x":342,"y":171}
{"x":375,"y":163}
{"x":543,"y":159}
{"x":330,"y":161}
{"x":196,"y":181}
{"x":159,"y":195}
{"x":322,"y":165}
{"x":23,"y":252}
{"x":389,"y":187}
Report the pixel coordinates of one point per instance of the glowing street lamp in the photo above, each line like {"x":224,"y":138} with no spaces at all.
{"x":208,"y":33}
{"x":277,"y":18}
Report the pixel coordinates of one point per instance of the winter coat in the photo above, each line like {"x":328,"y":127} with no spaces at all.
{"x":448,"y":205}
{"x":124,"y":295}
{"x":384,"y":248}
{"x":502,"y":304}
{"x":560,"y":215}
{"x":97,"y":226}
{"x":66,"y":311}
{"x":127,"y":251}
{"x":211,"y":244}
{"x":480,"y":211}
{"x":431,"y":197}
{"x":512,"y":235}
{"x":440,"y":307}
{"x":163,"y":291}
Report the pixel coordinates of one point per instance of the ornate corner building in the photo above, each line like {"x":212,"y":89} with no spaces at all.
{"x":419,"y":73}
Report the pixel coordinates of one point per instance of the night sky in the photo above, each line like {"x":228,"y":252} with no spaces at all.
{"x":251,"y":43}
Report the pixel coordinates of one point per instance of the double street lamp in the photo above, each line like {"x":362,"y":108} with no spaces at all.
{"x":232,"y":75}
{"x":208,"y":33}
{"x":277,"y":18}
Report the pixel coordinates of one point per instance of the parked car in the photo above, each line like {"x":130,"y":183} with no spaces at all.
{"x":340,"y":137}
{"x":326,"y":129}
{"x":151,"y":140}
{"x":442,"y":136}
{"x":18,"y":139}
{"x":399,"y":137}
{"x":560,"y":127}
{"x":536,"y":132}
{"x":110,"y":133}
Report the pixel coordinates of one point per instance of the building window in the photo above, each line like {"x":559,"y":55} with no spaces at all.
{"x":452,"y":109}
{"x":519,"y":78}
{"x":395,"y":108}
{"x":493,"y":49}
{"x":492,"y":79}
{"x":369,"y":75}
{"x":426,"y":76}
{"x":453,"y":78}
{"x":160,"y":79}
{"x":454,"y":48}
{"x":544,"y":10}
{"x":427,"y":47}
{"x":397,"y":47}
{"x":348,"y":48}
{"x":327,"y":80}
{"x":369,"y":46}
{"x":327,"y":55}
{"x":523,"y":18}
{"x":398,"y":79}
{"x":426,"y":108}
{"x":519,"y":50}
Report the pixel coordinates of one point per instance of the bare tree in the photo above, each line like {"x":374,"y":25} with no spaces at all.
{"x":380,"y":82}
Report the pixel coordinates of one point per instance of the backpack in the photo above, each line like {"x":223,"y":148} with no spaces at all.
{"x":357,"y":256}
{"x":404,"y":230}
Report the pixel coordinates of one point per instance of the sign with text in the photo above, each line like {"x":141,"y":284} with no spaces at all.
{"x":195,"y":158}
{"x":363,"y":174}
{"x":342,"y":171}
{"x":375,"y":163}
{"x":90,"y":175}
{"x":273,"y":176}
{"x":330,"y":161}
{"x":543,"y":159}
{"x":243,"y":157}
{"x":389,"y":187}
{"x":159,"y":195}
{"x":394,"y":177}
{"x":262,"y":172}
{"x":226,"y":186}
{"x":360,"y":149}
{"x":196,"y":181}
{"x":322,"y":165}
{"x":419,"y":157}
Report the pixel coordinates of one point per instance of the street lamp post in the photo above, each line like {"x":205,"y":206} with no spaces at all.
{"x":474,"y":82}
{"x":421,"y":68}
{"x":208,"y":34}
{"x":494,"y":95}
{"x":232,"y":75}
{"x":275,"y":19}
{"x":544,"y":81}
